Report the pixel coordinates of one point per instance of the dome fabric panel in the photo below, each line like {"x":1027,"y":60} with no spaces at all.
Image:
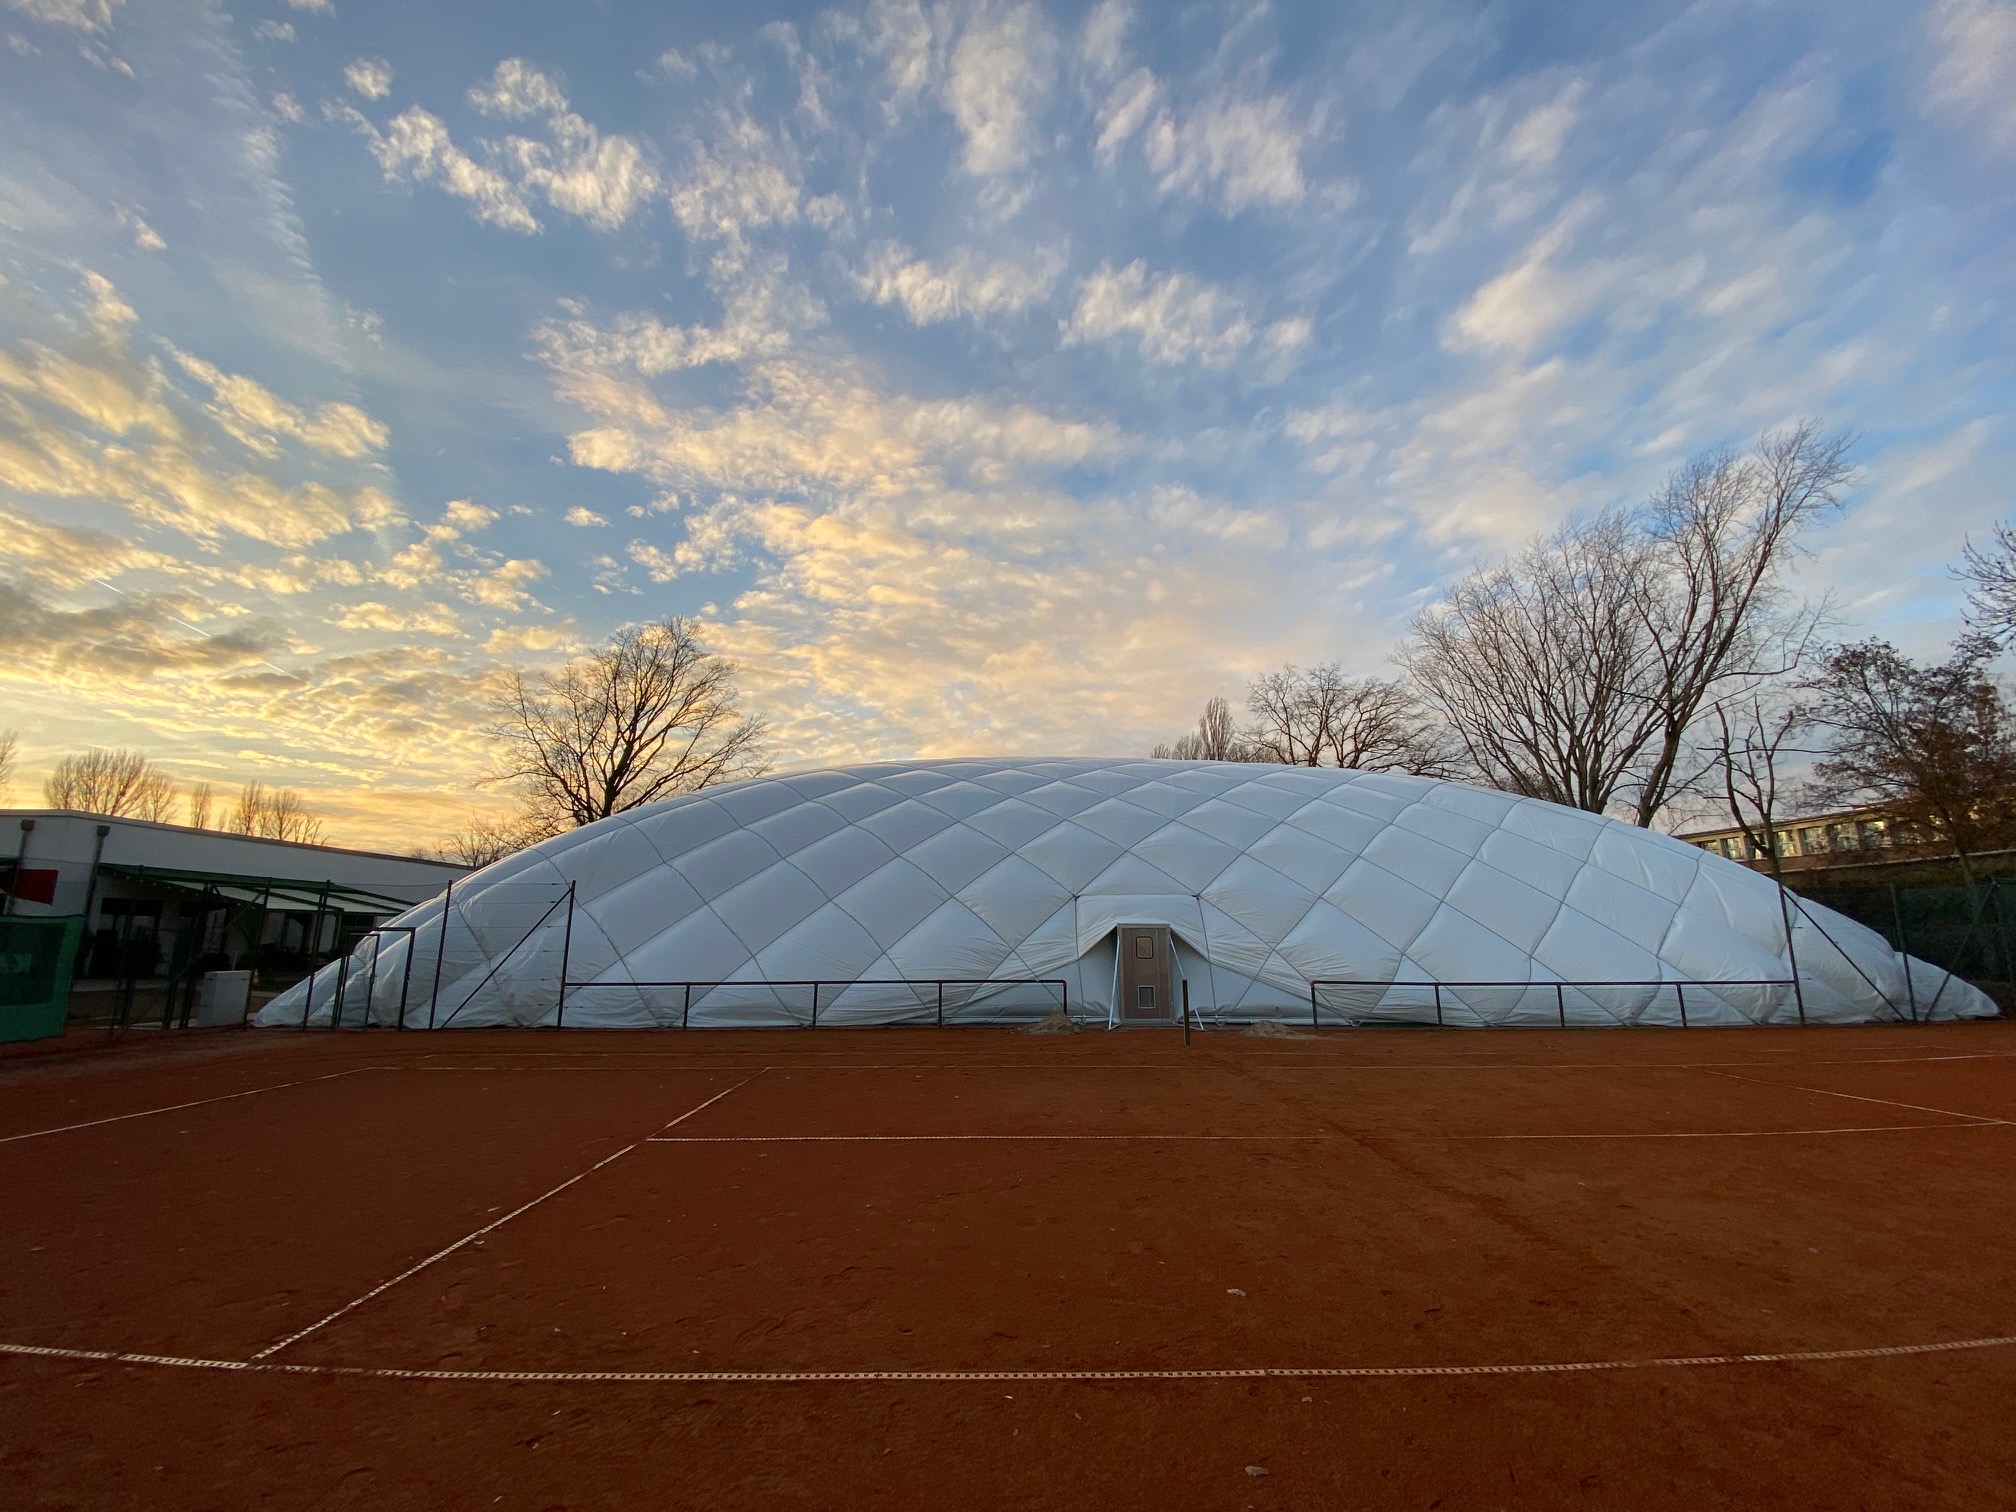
{"x":1268,"y":878}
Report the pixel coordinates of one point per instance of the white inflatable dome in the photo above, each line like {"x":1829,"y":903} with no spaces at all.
{"x":984,"y":890}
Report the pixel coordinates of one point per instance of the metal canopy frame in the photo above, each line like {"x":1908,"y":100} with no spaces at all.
{"x":307,"y":896}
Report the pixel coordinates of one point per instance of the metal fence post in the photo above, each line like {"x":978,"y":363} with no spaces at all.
{"x":686,"y":1013}
{"x":440,"y":952}
{"x":1314,"y":1021}
{"x":1904,"y":949}
{"x":1791,"y":954}
{"x":1680,"y":992}
{"x":1438,"y":1003}
{"x":941,"y":1005}
{"x":1186,"y":1010}
{"x":566,"y":950}
{"x":1560,"y":1005}
{"x":342,"y":983}
{"x":815,"y":1005}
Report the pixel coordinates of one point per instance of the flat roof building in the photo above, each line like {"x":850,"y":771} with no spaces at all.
{"x":162,"y":900}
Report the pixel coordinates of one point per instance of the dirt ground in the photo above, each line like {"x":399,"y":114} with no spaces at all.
{"x":909,"y":1268}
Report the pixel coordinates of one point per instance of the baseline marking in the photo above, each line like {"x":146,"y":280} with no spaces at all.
{"x":679,"y":1139}
{"x":178,"y":1107}
{"x":1274,"y":1063}
{"x":1758,"y":1081}
{"x":1236,"y":1373}
{"x":467,"y":1239}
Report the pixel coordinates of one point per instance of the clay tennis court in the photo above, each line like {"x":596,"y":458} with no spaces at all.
{"x":911,"y":1268}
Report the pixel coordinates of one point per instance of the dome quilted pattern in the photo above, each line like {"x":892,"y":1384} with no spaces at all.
{"x":1268,"y":877}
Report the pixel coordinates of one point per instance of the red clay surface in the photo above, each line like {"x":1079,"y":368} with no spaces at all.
{"x":971,"y":1201}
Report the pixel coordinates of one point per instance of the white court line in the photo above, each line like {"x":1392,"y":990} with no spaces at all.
{"x":1377,"y":1134}
{"x":1234,"y":1373}
{"x":1757,"y":1081}
{"x":467,"y":1239}
{"x":1297,"y":1063}
{"x":178,"y":1107}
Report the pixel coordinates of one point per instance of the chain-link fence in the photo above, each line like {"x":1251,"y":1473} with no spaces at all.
{"x":1966,"y":930}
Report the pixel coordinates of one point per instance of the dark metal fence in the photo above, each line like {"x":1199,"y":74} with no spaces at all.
{"x":1505,"y":1004}
{"x":796,"y":1004}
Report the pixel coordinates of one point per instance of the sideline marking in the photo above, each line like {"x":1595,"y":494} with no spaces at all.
{"x":1758,"y":1081}
{"x":1236,"y":1373}
{"x":199,"y":1102}
{"x":467,"y":1239}
{"x":1984,"y":1123}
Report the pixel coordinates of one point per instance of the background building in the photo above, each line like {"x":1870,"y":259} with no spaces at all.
{"x":163,"y":902}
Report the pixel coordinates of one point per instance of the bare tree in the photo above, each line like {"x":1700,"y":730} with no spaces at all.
{"x":1936,"y":743}
{"x":120,"y":784}
{"x":200,"y":800}
{"x":273,"y":814}
{"x":1582,"y":671}
{"x":1752,"y":739}
{"x":1538,"y":664}
{"x":1990,"y":573}
{"x":1721,"y":536}
{"x":650,"y":715}
{"x":485,"y":839}
{"x":9,"y":744}
{"x":1216,"y":738}
{"x":1317,"y":716}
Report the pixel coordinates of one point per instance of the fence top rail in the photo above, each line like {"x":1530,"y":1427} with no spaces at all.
{"x":853,"y":982}
{"x":1659,"y":982}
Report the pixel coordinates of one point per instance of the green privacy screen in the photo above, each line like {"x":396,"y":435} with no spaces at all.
{"x":35,"y":957}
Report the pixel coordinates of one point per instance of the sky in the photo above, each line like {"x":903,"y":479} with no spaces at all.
{"x":986,"y":378}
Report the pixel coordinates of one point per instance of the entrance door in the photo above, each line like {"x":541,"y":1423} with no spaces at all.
{"x":1147,"y":975}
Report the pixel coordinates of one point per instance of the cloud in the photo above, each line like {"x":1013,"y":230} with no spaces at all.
{"x":584,"y":517}
{"x":1000,"y":69}
{"x":370,"y":77}
{"x":318,"y":7}
{"x":272,"y":31}
{"x":79,"y":15}
{"x":1238,"y":152}
{"x":416,"y":147}
{"x":601,"y":179}
{"x":738,"y":179}
{"x":259,"y":419}
{"x":425,"y":619}
{"x":516,"y":90}
{"x":97,"y":423}
{"x":1974,"y":77}
{"x":964,"y":285}
{"x":1173,"y":317}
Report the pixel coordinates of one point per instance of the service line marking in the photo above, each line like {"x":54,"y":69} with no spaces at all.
{"x":1234,"y":1373}
{"x":1758,"y":1081}
{"x":468,"y":1239}
{"x":178,"y":1107}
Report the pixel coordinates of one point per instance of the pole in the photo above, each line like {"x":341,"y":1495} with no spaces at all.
{"x":686,"y":1013}
{"x":20,"y":856}
{"x":1904,"y":949}
{"x":815,"y":1005}
{"x":1560,"y":1005}
{"x":2002,"y":930}
{"x":1186,"y":1010}
{"x":1680,"y":992}
{"x":440,"y":952}
{"x":342,"y":982}
{"x":566,"y":950}
{"x":1438,"y":1004}
{"x":1791,"y":955}
{"x":259,"y":940}
{"x":371,"y":981}
{"x":406,"y":978}
{"x":1314,"y":1021}
{"x":941,"y":1005}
